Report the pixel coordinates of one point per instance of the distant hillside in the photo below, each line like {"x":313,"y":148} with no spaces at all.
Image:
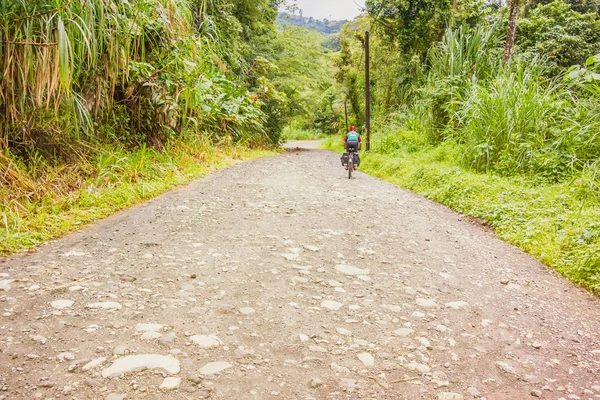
{"x":325,"y":26}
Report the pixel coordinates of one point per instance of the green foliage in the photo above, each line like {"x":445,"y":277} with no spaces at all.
{"x":585,"y":79}
{"x":332,"y":42}
{"x":304,"y":78}
{"x":462,"y":58}
{"x":517,"y":145}
{"x":413,"y":26}
{"x":508,"y":123}
{"x":472,"y":13}
{"x":580,"y":6}
{"x":242,"y":26}
{"x":564,"y":36}
{"x":325,"y":26}
{"x":348,"y":70}
{"x":512,"y":119}
{"x":150,"y":65}
{"x":291,"y":133}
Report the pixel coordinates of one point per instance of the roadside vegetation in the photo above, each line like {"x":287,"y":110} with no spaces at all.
{"x":107,"y":103}
{"x":506,"y":132}
{"x":105,"y":181}
{"x":290,"y":133}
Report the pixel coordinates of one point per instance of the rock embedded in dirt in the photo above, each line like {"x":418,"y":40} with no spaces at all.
{"x":120,"y":350}
{"x":214,"y":368}
{"x":5,"y":284}
{"x":348,"y":385}
{"x":367,"y":359}
{"x":291,"y":257}
{"x":315,"y":383}
{"x":170,"y":383}
{"x":150,"y":335}
{"x":506,"y":367}
{"x":206,"y":341}
{"x":39,"y":338}
{"x":66,"y":356}
{"x":141,"y":362}
{"x":61,"y":304}
{"x":392,"y":308}
{"x":318,"y":349}
{"x":349,"y":270}
{"x":343,"y":331}
{"x":456,"y":305}
{"x":167,"y":339}
{"x":93,"y":364}
{"x":427,"y":303}
{"x":311,"y":248}
{"x":474,"y":392}
{"x":331,"y":305}
{"x":247,"y":310}
{"x":404,"y":332}
{"x":303,"y":338}
{"x":422,"y":368}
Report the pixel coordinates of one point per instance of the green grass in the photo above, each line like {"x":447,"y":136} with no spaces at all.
{"x":334,"y":143}
{"x":302,"y":134}
{"x":45,"y":205}
{"x":559,"y":224}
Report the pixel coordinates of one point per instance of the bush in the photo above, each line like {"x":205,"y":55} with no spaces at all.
{"x":508,"y":123}
{"x":564,"y":36}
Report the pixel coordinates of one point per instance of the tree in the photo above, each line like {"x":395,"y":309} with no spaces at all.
{"x":564,"y":36}
{"x":301,"y":76}
{"x":514,"y":7}
{"x":581,"y":6}
{"x":413,"y":25}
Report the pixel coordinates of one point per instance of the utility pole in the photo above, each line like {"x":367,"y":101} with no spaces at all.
{"x":346,"y":113}
{"x":367,"y":93}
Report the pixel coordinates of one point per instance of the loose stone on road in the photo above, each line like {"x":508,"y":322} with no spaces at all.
{"x":282,"y":279}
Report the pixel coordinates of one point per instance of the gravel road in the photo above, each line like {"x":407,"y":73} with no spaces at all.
{"x":282,"y":279}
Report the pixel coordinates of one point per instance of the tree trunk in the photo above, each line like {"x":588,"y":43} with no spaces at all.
{"x":514,"y":6}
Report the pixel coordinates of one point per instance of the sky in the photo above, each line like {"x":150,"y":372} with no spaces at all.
{"x":331,"y":9}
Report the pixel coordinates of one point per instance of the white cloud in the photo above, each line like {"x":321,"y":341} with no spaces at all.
{"x":331,"y":9}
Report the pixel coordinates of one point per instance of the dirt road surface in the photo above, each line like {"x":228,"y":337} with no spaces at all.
{"x":282,"y":279}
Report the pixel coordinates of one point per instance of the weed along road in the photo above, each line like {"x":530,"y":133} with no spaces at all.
{"x":282,"y":279}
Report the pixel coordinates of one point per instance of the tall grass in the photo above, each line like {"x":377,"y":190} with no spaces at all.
{"x":512,"y":119}
{"x":509,"y":121}
{"x":69,"y":67}
{"x":462,"y":58}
